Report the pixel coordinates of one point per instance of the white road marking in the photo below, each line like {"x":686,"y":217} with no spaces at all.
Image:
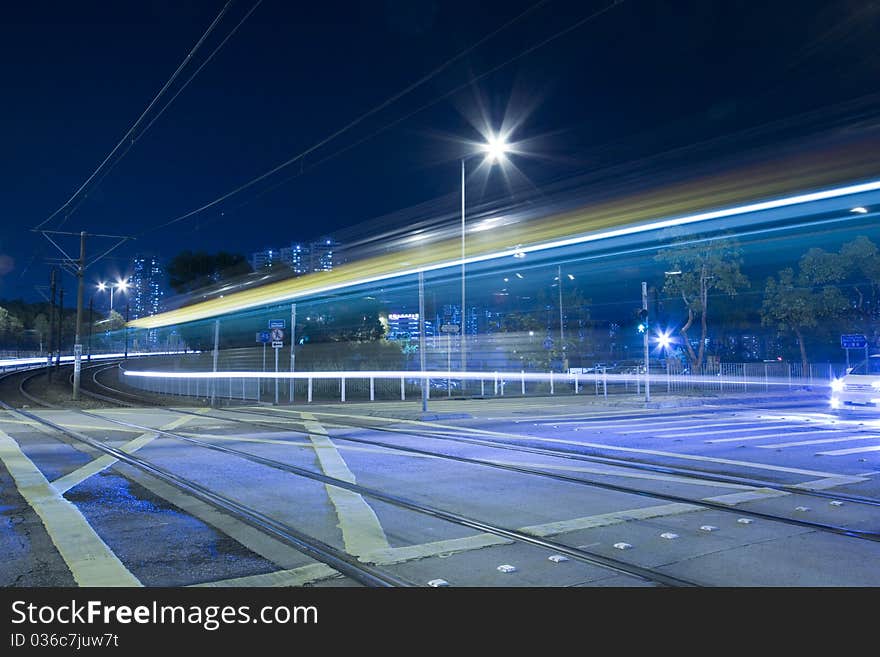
{"x":361,"y":531}
{"x":71,"y":479}
{"x":514,"y":436}
{"x":90,"y":560}
{"x":748,"y":496}
{"x":768,"y":433}
{"x":691,"y":425}
{"x":854,"y":450}
{"x":831,"y":482}
{"x":448,"y":546}
{"x":293,"y":577}
{"x":764,"y":436}
{"x":818,"y":442}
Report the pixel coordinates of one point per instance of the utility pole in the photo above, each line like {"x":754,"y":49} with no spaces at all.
{"x":422,"y":354}
{"x":91,"y":323}
{"x":77,"y":267}
{"x":647,"y":330}
{"x":51,"y":344}
{"x":561,"y":333}
{"x":60,"y":326}
{"x":463,"y":304}
{"x":126,"y":331}
{"x":77,"y":343}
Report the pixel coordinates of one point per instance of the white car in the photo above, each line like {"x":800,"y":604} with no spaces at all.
{"x":860,"y":386}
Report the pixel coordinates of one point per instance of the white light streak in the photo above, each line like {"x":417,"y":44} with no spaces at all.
{"x":521,"y":251}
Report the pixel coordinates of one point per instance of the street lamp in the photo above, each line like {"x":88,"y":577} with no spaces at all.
{"x":122,"y":286}
{"x":494,"y":150}
{"x":558,"y":280}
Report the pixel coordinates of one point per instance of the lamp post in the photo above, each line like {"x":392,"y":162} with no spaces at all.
{"x":122,"y":286}
{"x":561,"y":316}
{"x":494,"y":150}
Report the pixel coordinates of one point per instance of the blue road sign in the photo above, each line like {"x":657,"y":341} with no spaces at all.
{"x":263,"y":336}
{"x":853,"y":341}
{"x":276,"y":323}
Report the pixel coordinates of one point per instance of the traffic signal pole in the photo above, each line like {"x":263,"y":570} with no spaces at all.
{"x":77,"y":342}
{"x":645,"y":339}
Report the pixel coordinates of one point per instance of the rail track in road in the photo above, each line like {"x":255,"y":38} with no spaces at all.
{"x":310,"y":545}
{"x":270,"y":420}
{"x":850,"y":532}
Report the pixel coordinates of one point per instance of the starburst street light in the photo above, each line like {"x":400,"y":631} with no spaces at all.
{"x":664,"y":340}
{"x":495,"y":148}
{"x":122,"y":286}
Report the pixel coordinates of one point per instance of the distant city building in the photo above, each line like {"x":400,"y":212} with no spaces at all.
{"x":297,"y":257}
{"x":403,"y":326}
{"x":146,"y":287}
{"x":264,"y":259}
{"x":320,"y":255}
{"x":324,"y":254}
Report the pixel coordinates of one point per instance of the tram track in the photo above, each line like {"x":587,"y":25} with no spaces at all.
{"x":835,"y":529}
{"x":337,"y":559}
{"x":564,"y":454}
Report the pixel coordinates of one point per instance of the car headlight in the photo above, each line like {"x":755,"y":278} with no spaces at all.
{"x":837,"y":385}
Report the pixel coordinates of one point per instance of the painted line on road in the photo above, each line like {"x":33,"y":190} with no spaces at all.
{"x":854,"y":450}
{"x":692,"y":425}
{"x":748,"y":496}
{"x":615,"y":471}
{"x":362,"y":532}
{"x":292,"y":577}
{"x":392,"y":555}
{"x":830,"y":482}
{"x":71,"y":479}
{"x":301,"y":443}
{"x":764,"y":436}
{"x":824,"y":441}
{"x":628,"y":419}
{"x":523,"y":437}
{"x":767,"y":433}
{"x":90,"y":560}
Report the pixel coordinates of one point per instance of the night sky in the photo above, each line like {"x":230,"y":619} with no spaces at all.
{"x":642,"y":77}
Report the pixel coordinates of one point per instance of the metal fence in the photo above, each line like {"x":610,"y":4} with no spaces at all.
{"x":196,"y":378}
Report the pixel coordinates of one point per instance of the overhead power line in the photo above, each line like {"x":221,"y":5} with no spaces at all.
{"x":131,"y":131}
{"x":418,"y":83}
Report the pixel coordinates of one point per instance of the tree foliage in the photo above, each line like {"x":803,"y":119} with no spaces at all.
{"x":705,"y":266}
{"x":797,"y":302}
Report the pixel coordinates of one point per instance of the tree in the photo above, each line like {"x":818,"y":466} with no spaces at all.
{"x":190,"y":270}
{"x":704,"y":265}
{"x":797,"y":303}
{"x":860,"y":261}
{"x":11,"y":327}
{"x":41,"y":326}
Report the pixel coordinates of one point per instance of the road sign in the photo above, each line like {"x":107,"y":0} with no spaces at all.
{"x":277,"y":335}
{"x":263,"y":336}
{"x":449,"y":328}
{"x":276,"y":323}
{"x":277,"y":345}
{"x":853,"y":341}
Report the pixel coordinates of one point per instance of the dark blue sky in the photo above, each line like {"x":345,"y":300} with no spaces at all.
{"x":645,"y":76}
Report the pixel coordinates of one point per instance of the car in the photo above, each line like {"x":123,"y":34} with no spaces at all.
{"x":859,"y":387}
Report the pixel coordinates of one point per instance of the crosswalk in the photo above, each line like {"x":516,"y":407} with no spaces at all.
{"x":799,"y":430}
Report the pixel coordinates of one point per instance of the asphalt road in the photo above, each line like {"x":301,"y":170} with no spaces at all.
{"x":721,"y":493}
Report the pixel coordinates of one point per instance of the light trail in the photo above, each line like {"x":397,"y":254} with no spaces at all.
{"x":618,"y":219}
{"x":506,"y":376}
